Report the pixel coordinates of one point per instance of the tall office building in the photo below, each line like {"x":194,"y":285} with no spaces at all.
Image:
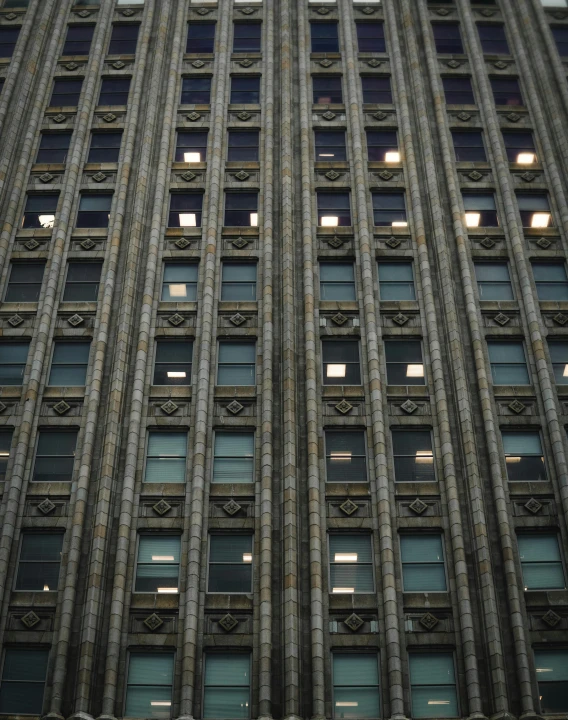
{"x":284,"y":359}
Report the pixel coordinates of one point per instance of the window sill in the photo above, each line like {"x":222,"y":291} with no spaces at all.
{"x":51,"y":489}
{"x":353,"y":489}
{"x":235,"y":601}
{"x":331,"y":305}
{"x":171,"y":391}
{"x":235,"y":391}
{"x":414,"y":489}
{"x":29,"y":598}
{"x":546,"y":598}
{"x":530,"y":487}
{"x":234,"y":305}
{"x":347,"y":601}
{"x":154,"y":600}
{"x":48,"y":167}
{"x":334,"y":391}
{"x":230,"y":489}
{"x":513,"y":391}
{"x":114,"y":109}
{"x":408,"y":390}
{"x":436,"y":599}
{"x":110,"y":166}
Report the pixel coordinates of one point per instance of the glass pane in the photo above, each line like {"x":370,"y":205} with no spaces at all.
{"x":506,"y":352}
{"x":25,"y":664}
{"x":424,"y":577}
{"x":412,"y":442}
{"x":165,"y":470}
{"x":56,"y":443}
{"x":522,"y":443}
{"x":359,"y":546}
{"x":525,"y":467}
{"x":234,"y":444}
{"x":434,"y":702}
{"x":230,"y":548}
{"x":157,"y":578}
{"x":38,"y":576}
{"x":159,"y":549}
{"x":543,"y":576}
{"x":148,"y":702}
{"x":167,"y":444}
{"x":174,"y":351}
{"x":510,"y":374}
{"x":551,"y":665}
{"x":227,"y":670}
{"x":42,"y":547}
{"x":18,"y":698}
{"x":67,"y":375}
{"x":14,"y":353}
{"x":53,"y":469}
{"x":432,"y":668}
{"x":355,"y":670}
{"x":222,"y":702}
{"x":233,"y":470}
{"x":356,"y":702}
{"x":538,"y":547}
{"x":553,"y":696}
{"x":351,"y":578}
{"x":421,"y":548}
{"x":233,"y":352}
{"x":236,"y":375}
{"x":410,"y":469}
{"x":230,"y":579}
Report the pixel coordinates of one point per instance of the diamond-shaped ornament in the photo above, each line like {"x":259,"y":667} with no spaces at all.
{"x":188,"y":176}
{"x":560,"y":319}
{"x":193,"y":116}
{"x":61,"y":407}
{"x":368,"y":10}
{"x":83,"y":13}
{"x":15,"y":320}
{"x":328,"y":115}
{"x":228,"y":622}
{"x":128,"y":12}
{"x":98,"y":177}
{"x":409,"y":407}
{"x":46,"y":506}
{"x":240,"y":243}
{"x":153,"y":622}
{"x":242,"y":175}
{"x":203,"y":11}
{"x":517,"y":407}
{"x":463,"y":116}
{"x":30,"y":620}
{"x":248,"y":11}
{"x":528,"y":176}
{"x":237,"y":319}
{"x":500,"y":65}
{"x":109,"y":117}
{"x":544,"y":243}
{"x":332,"y":175}
{"x":235,"y":407}
{"x":118,"y":65}
{"x":245,"y":63}
{"x":175,"y":319}
{"x":71,"y":66}
{"x":182,"y":243}
{"x":349,"y":507}
{"x":326,"y":62}
{"x":46,"y":177}
{"x":533,"y":506}
{"x":380,"y":115}
{"x":323,"y":11}
{"x":335,"y":242}
{"x":373,"y":62}
{"x":418,"y":506}
{"x":475,"y":176}
{"x":443,"y":11}
{"x":453,"y":64}
{"x":513,"y":117}
{"x":232,"y":507}
{"x":339,"y":319}
{"x":244,"y":116}
{"x":393,"y":242}
{"x":59,"y":118}
{"x":198,"y":63}
{"x":87,"y":244}
{"x":400,"y":319}
{"x":551,"y":618}
{"x":354,"y":622}
{"x":161,"y":507}
{"x":2,"y":407}
{"x":169,"y":407}
{"x":559,"y":15}
{"x":344,"y":407}
{"x":501,"y":319}
{"x":488,"y":13}
{"x":11,"y":16}
{"x":31,"y":244}
{"x":428,"y":621}
{"x":385,"y":175}
{"x":75,"y":320}
{"x":488,"y":243}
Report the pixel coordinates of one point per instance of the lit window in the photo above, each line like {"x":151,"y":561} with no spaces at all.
{"x":40,"y":211}
{"x":13,"y":358}
{"x":327,"y":90}
{"x":196,"y":91}
{"x":200,"y":38}
{"x":551,"y":281}
{"x":324,"y":37}
{"x":173,"y":362}
{"x":238,"y":283}
{"x":389,"y":209}
{"x":180,"y":282}
{"x":78,"y":40}
{"x":468,"y":146}
{"x":337,"y":281}
{"x":243,"y":146}
{"x":191,"y":147}
{"x":66,"y":92}
{"x":241,"y":209}
{"x":333,"y":209}
{"x":480,"y":210}
{"x":5,"y":448}
{"x":413,"y":456}
{"x":493,"y":281}
{"x":82,"y":283}
{"x":94,"y":211}
{"x":552,"y":678}
{"x":69,"y":364}
{"x":433,"y":685}
{"x":123,"y":40}
{"x":237,"y":361}
{"x":185,"y":210}
{"x":8,"y":40}
{"x":114,"y":91}
{"x":25,"y":282}
{"x":157,"y":566}
{"x":40,"y":559}
{"x":356,"y":686}
{"x":396,"y":281}
{"x":371,"y":36}
{"x":534,"y":210}
{"x":560,"y":35}
{"x":341,"y":362}
{"x":493,"y":39}
{"x":404,"y":362}
{"x":559,"y":358}
{"x":233,"y":457}
{"x":458,"y":91}
{"x":520,"y":147}
{"x":23,"y":677}
{"x":382,"y":146}
{"x":230,"y":564}
{"x":245,"y":90}
{"x":541,"y":562}
{"x":447,"y":38}
{"x":508,"y":363}
{"x":345,"y":456}
{"x":524,"y":458}
{"x":377,"y":90}
{"x":166,"y":457}
{"x":149,"y":686}
{"x":350,"y":564}
{"x":506,"y":91}
{"x":55,"y":456}
{"x":330,"y":146}
{"x":226,"y":687}
{"x":105,"y":147}
{"x":422,"y":563}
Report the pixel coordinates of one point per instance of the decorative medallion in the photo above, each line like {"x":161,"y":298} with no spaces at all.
{"x":203,"y":11}
{"x":242,"y":175}
{"x":400,"y":319}
{"x":488,"y":13}
{"x":349,"y":507}
{"x":228,"y":622}
{"x":380,"y":115}
{"x":500,"y":65}
{"x":323,"y":11}
{"x":71,"y":66}
{"x":118,"y":65}
{"x":232,"y":507}
{"x":332,"y":175}
{"x":544,"y":243}
{"x":30,"y":620}
{"x":328,"y":115}
{"x":46,"y":506}
{"x":182,"y":243}
{"x":75,"y":320}
{"x":161,"y":507}
{"x":240,"y":243}
{"x":368,"y":10}
{"x":87,"y":244}
{"x":98,"y":177}
{"x":31,"y":244}
{"x":244,"y":116}
{"x":83,"y":13}
{"x":560,"y":319}
{"x":237,"y":319}
{"x":488,"y":243}
{"x":428,"y":621}
{"x":551,"y":618}
{"x":374,"y":62}
{"x":153,"y":622}
{"x":188,"y":176}
{"x":339,"y":319}
{"x":193,"y":116}
{"x":109,"y":117}
{"x":15,"y":320}
{"x":11,"y":16}
{"x":61,"y":407}
{"x":474,"y":175}
{"x":46,"y":177}
{"x":463,"y":116}
{"x":128,"y":12}
{"x":501,"y":319}
{"x":59,"y":118}
{"x":454,"y":64}
{"x":248,"y":11}
{"x":393,"y":242}
{"x":335,"y":242}
{"x":245,"y":63}
{"x":344,"y":407}
{"x":235,"y":407}
{"x":409,"y":407}
{"x":385,"y":175}
{"x":198,"y":63}
{"x":169,"y":407}
{"x":326,"y":63}
{"x":354,"y":622}
{"x":443,"y":11}
{"x":175,"y":319}
{"x":533,"y":506}
{"x":517,"y":407}
{"x":513,"y":117}
{"x":528,"y":176}
{"x":418,"y":506}
{"x":559,"y":15}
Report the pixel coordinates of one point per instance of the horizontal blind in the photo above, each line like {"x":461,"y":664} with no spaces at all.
{"x":159,"y":547}
{"x":534,"y":548}
{"x":42,"y":546}
{"x":234,"y":444}
{"x":421,"y":548}
{"x":230,"y":548}
{"x":227,"y":669}
{"x":236,"y":272}
{"x":233,"y":352}
{"x":359,"y":545}
{"x":151,"y":668}
{"x":551,"y":665}
{"x":522,"y":443}
{"x":351,"y":669}
{"x":25,"y":664}
{"x":506,"y":352}
{"x":162,"y":444}
{"x":432,"y":669}
{"x":182,"y":273}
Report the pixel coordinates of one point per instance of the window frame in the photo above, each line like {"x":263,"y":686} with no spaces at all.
{"x":105,"y":80}
{"x":452,"y":51}
{"x":356,"y":652}
{"x":319,"y":134}
{"x":179,"y":148}
{"x":378,"y":38}
{"x":80,"y":218}
{"x":371,"y":564}
{"x":78,"y":261}
{"x":219,"y":651}
{"x":77,"y":26}
{"x":147,"y":650}
{"x":231,"y":132}
{"x":510,"y":430}
{"x":69,"y":341}
{"x":172,"y":339}
{"x":165,"y":430}
{"x":556,"y":649}
{"x":548,"y":532}
{"x":228,"y":534}
{"x":52,"y":429}
{"x":22,"y":646}
{"x":490,"y":283}
{"x":235,"y":262}
{"x":245,"y":429}
{"x":450,"y":652}
{"x":102,"y":133}
{"x":421,"y":532}
{"x":12,"y":364}
{"x":199,"y":51}
{"x":149,"y":533}
{"x":457,"y":148}
{"x":352,"y":283}
{"x":10,"y":282}
{"x":186,"y":79}
{"x":27,"y":532}
{"x":408,"y":429}
{"x":175,"y":262}
{"x":405,"y":339}
{"x":234,"y":100}
{"x":46,"y":134}
{"x":111,"y":51}
{"x":247,"y":23}
{"x":345,"y":430}
{"x":237,"y":340}
{"x":402,"y":261}
{"x":494,"y":339}
{"x":328,"y":341}
{"x":76,"y":95}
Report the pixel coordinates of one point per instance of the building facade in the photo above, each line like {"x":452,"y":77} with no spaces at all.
{"x":284,"y":359}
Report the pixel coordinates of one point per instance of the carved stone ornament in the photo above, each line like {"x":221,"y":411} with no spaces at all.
{"x":235,"y":407}
{"x":46,"y":506}
{"x":501,"y":319}
{"x":474,"y":175}
{"x":409,"y":407}
{"x":339,"y":319}
{"x":454,"y":64}
{"x":61,"y":407}
{"x":487,"y":243}
{"x":246,"y":63}
{"x":335,"y":242}
{"x":560,"y":319}
{"x":161,"y":507}
{"x":418,"y":506}
{"x":400,"y":319}
{"x":59,"y":118}
{"x":193,"y":116}
{"x":240,"y":243}
{"x":203,"y":11}
{"x":326,"y":63}
{"x":188,"y":176}
{"x":169,"y":407}
{"x":487,"y":12}
{"x":232,"y":507}
{"x":344,"y":407}
{"x":98,"y":177}
{"x":354,"y":622}
{"x":109,"y":117}
{"x":517,"y":407}
{"x":11,"y":16}
{"x":87,"y":244}
{"x":374,"y":63}
{"x":242,"y":175}
{"x":15,"y":320}
{"x":118,"y":65}
{"x":348,"y":507}
{"x":544,"y":243}
{"x":513,"y":117}
{"x":328,"y":115}
{"x":551,"y":618}
{"x":368,"y":10}
{"x":428,"y":621}
{"x":3,"y":407}
{"x":500,"y":65}
{"x":380,"y":115}
{"x":71,"y":66}
{"x":393,"y":242}
{"x":153,"y":622}
{"x":559,"y":15}
{"x":83,"y":13}
{"x":533,"y":506}
{"x":128,"y":12}
{"x":182,"y":243}
{"x":463,"y":116}
{"x":248,"y":11}
{"x":244,"y":116}
{"x":175,"y":319}
{"x":323,"y":11}
{"x":443,"y":11}
{"x":198,"y":63}
{"x":31,"y":244}
{"x":332,"y":175}
{"x":30,"y":620}
{"x":228,"y":622}
{"x":75,"y":320}
{"x":46,"y":177}
{"x":237,"y":319}
{"x":385,"y":175}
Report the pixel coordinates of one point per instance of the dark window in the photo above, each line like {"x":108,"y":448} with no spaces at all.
{"x":493,"y":39}
{"x":123,"y":39}
{"x":350,"y":565}
{"x":356,"y":675}
{"x":24,"y":671}
{"x":18,"y":3}
{"x":508,"y":363}
{"x":337,"y":281}
{"x":105,"y":147}
{"x":191,"y":147}
{"x":396,"y":281}
{"x":173,"y":362}
{"x":243,"y":146}
{"x":324,"y":37}
{"x":330,"y":146}
{"x":180,"y":282}
{"x":185,"y":210}
{"x":413,"y":456}
{"x":226,"y":685}
{"x":40,"y":211}
{"x":447,"y":38}
{"x":560,"y":35}
{"x":341,"y":365}
{"x":65,"y":93}
{"x":237,"y":363}
{"x":157,"y":571}
{"x":230,"y":564}
{"x":53,"y":147}
{"x":482,"y":2}
{"x":559,"y":357}
{"x":13,"y":358}
{"x":166,"y":457}
{"x":150,"y":680}
{"x":333,"y":209}
{"x":40,"y":560}
{"x":371,"y":37}
{"x":78,"y":40}
{"x":238,"y":283}
{"x":458,"y":91}
{"x":241,"y":209}
{"x":345,"y":456}
{"x":196,"y":91}
{"x":506,"y":91}
{"x":55,"y":456}
{"x":69,"y":364}
{"x":2,"y":81}
{"x":493,"y":281}
{"x":552,"y":677}
{"x":520,"y":147}
{"x":25,"y":282}
{"x":114,"y":91}
{"x":8,"y":40}
{"x":200,"y":39}
{"x":247,"y":37}
{"x":327,"y":90}
{"x":551,"y":281}
{"x":468,"y":146}
{"x":480,"y":210}
{"x":389,"y":209}
{"x":94,"y":211}
{"x":404,"y":362}
{"x":524,"y":458}
{"x":382,"y":146}
{"x":245,"y":90}
{"x":534,"y":210}
{"x":5,"y":448}
{"x":377,"y":90}
{"x":82,"y":283}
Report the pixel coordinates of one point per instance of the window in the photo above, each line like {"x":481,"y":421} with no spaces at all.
{"x":114,"y":91}
{"x":337,"y":281}
{"x":534,"y":210}
{"x":371,"y":36}
{"x":350,"y":564}
{"x":554,"y":3}
{"x":238,"y":282}
{"x":94,"y":211}
{"x":69,"y":364}
{"x":345,"y":456}
{"x":327,"y":90}
{"x":404,"y":362}
{"x":245,"y":90}
{"x":105,"y":147}
{"x":493,"y":281}
{"x":8,"y":40}
{"x":506,"y":91}
{"x":551,"y":281}
{"x":330,"y":146}
{"x":396,"y":281}
{"x":16,"y":3}
{"x":552,"y":677}
{"x":247,"y":37}
{"x":40,"y":558}
{"x":65,"y":93}
{"x":447,"y":38}
{"x":233,"y":460}
{"x":493,"y":39}
{"x":150,"y":680}
{"x":166,"y":457}
{"x":40,"y":211}
{"x":508,"y":363}
{"x":2,"y":81}
{"x":157,"y":567}
{"x":389,"y":209}
{"x":524,"y":458}
{"x":78,"y":40}
{"x":123,"y":40}
{"x":520,"y":147}
{"x":226,"y":688}
{"x":173,"y":362}
{"x":230,"y":564}
{"x":23,"y":679}
{"x":560,"y":35}
{"x":196,"y":91}
{"x":5,"y":448}
{"x":356,"y":686}
{"x":25,"y":282}
{"x":559,"y":357}
{"x":480,"y":210}
{"x":458,"y":90}
{"x":333,"y":209}
{"x":383,"y":146}
{"x":468,"y":146}
{"x":185,"y":210}
{"x":82,"y":283}
{"x":541,"y":562}
{"x":13,"y":358}
{"x":243,"y":146}
{"x":433,"y":685}
{"x":180,"y":282}
{"x":241,"y":209}
{"x":324,"y":37}
{"x":53,"y":147}
{"x":413,"y":456}
{"x":377,"y":90}
{"x":423,"y":563}
{"x":237,"y":362}
{"x":200,"y":39}
{"x":55,"y":456}
{"x":341,"y":362}
{"x":191,"y":147}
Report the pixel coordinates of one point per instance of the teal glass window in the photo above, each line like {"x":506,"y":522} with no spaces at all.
{"x":226,"y":692}
{"x":230,"y":564}
{"x":149,"y":685}
{"x":396,"y":281}
{"x":233,"y":460}
{"x":157,"y":567}
{"x":541,"y":562}
{"x":337,"y":281}
{"x":508,"y":363}
{"x":350,"y":564}
{"x":55,"y":456}
{"x":493,"y":281}
{"x":523,"y":456}
{"x":166,"y":457}
{"x":356,"y":686}
{"x":552,"y":677}
{"x":559,"y":357}
{"x":23,"y":681}
{"x":40,"y":560}
{"x":237,"y":363}
{"x":551,"y":281}
{"x":433,"y":685}
{"x":423,"y":563}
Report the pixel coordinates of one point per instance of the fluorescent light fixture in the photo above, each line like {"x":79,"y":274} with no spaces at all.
{"x":564,"y":374}
{"x":544,"y":669}
{"x":472,"y":219}
{"x":254,"y":219}
{"x":329,"y":221}
{"x":438,"y":702}
{"x":4,"y":454}
{"x":393,"y":157}
{"x":192,"y":157}
{"x":340,"y":590}
{"x":46,"y":221}
{"x":345,"y":557}
{"x":46,"y":588}
{"x":526,"y":158}
{"x":168,"y":590}
{"x":247,"y":557}
{"x":415,"y":371}
{"x":176,"y":374}
{"x":160,"y":703}
{"x":540,"y":220}
{"x":400,"y":223}
{"x":327,"y":155}
{"x":178,"y":290}
{"x":424,"y":456}
{"x":345,"y":455}
{"x":512,"y":459}
{"x":346,"y":704}
{"x":336,"y":371}
{"x":162,"y":558}
{"x":188,"y":220}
